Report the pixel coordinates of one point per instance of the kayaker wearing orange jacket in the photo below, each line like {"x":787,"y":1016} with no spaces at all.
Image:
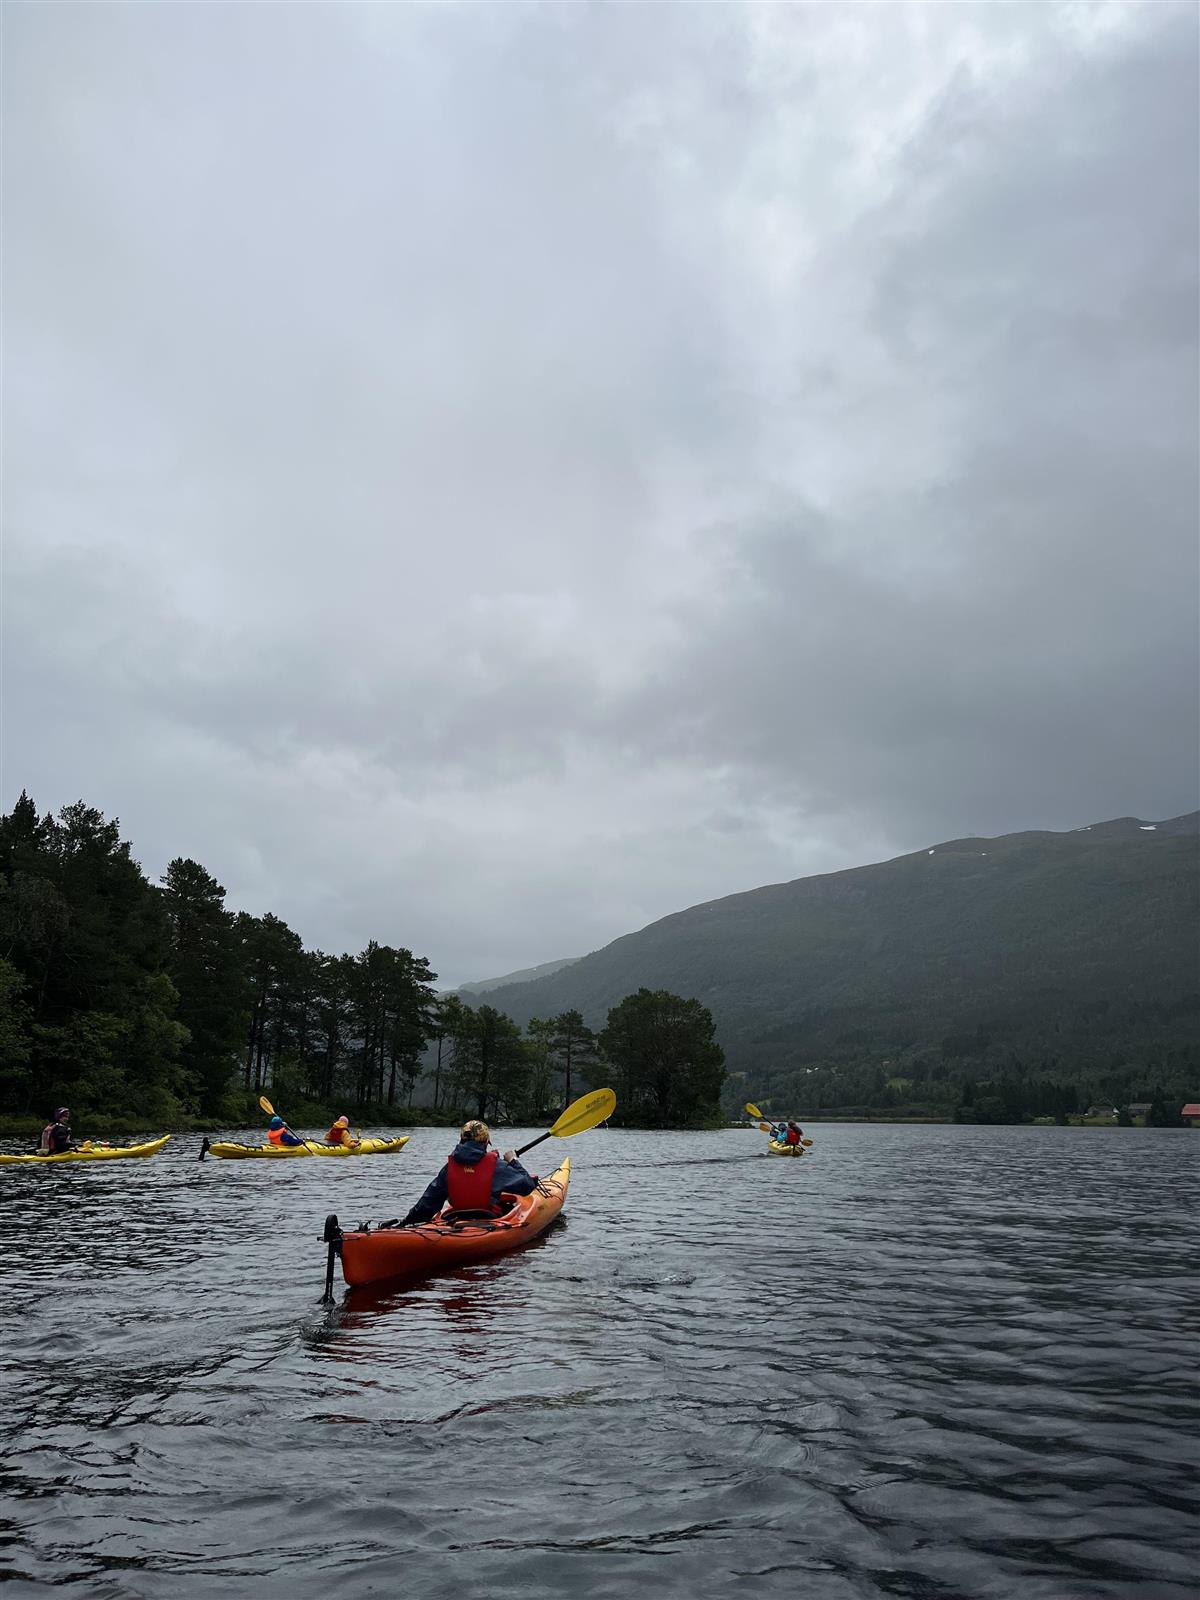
{"x":474,"y":1178}
{"x":279,"y":1133}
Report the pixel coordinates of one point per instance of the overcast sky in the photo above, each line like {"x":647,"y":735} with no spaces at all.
{"x":484,"y":478}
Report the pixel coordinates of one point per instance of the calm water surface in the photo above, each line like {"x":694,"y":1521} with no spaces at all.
{"x":922,"y":1362}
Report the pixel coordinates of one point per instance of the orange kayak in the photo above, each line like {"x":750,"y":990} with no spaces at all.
{"x":369,"y":1255}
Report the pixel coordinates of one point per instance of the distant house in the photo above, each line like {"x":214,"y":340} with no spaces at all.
{"x":1192,"y":1113}
{"x":1139,"y":1108}
{"x":1105,"y":1111}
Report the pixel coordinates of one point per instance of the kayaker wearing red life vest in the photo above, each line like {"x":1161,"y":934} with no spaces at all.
{"x":56,"y":1136}
{"x":474,"y":1178}
{"x":340,"y":1132}
{"x":794,"y":1133}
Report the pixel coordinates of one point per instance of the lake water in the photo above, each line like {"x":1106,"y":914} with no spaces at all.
{"x":929,"y":1362}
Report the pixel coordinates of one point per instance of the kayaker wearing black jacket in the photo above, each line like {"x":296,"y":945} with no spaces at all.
{"x":56,"y":1137}
{"x":474,"y":1178}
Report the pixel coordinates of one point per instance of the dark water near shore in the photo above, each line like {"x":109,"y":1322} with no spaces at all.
{"x":922,"y":1362}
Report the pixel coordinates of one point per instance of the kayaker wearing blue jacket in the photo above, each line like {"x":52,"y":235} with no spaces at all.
{"x":474,"y":1178}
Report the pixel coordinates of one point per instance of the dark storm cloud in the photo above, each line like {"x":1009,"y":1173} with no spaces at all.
{"x":485,"y":478}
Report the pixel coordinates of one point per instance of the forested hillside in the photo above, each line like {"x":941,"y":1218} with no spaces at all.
{"x":1069,"y":956}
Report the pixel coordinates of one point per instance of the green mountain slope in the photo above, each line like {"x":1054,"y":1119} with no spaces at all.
{"x":1051,"y":950}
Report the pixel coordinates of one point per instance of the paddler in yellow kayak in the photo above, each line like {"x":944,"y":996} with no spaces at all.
{"x":278,"y":1132}
{"x":340,"y":1133}
{"x":56,"y":1137}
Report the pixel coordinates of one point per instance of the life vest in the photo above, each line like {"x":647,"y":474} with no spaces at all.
{"x":470,"y":1188}
{"x":793,"y":1136}
{"x":337,"y":1135}
{"x":47,"y":1140}
{"x":275,"y":1135}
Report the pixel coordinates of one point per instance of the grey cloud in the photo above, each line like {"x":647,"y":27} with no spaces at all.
{"x":1042,"y":649}
{"x":487,"y":478}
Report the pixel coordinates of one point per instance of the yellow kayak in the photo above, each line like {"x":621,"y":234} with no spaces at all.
{"x":774,"y":1148}
{"x":98,"y":1152}
{"x":314,"y":1147}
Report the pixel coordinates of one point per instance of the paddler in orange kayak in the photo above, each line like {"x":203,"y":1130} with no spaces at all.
{"x":474,"y":1178}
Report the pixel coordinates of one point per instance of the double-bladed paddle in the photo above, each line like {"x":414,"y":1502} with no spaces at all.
{"x":579,"y":1116}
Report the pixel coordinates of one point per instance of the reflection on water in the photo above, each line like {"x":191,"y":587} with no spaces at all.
{"x":926,"y":1362}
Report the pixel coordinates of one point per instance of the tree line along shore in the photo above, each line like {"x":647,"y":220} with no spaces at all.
{"x":153,"y":1006}
{"x":146,"y":1005}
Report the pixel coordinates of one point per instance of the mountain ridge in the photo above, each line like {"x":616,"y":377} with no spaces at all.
{"x":545,"y":969}
{"x":1014,"y":937}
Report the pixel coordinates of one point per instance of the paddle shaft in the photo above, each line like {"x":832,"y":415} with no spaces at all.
{"x":595,"y":1106}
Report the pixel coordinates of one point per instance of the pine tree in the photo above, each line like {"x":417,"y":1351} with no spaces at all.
{"x":206,"y":969}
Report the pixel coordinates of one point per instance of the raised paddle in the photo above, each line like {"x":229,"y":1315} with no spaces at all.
{"x":581,"y":1115}
{"x":271,"y":1112}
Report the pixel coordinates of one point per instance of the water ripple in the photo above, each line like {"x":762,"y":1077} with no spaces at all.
{"x":928,"y":1363}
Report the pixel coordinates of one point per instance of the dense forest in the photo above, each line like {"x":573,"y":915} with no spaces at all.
{"x":156,"y":1003}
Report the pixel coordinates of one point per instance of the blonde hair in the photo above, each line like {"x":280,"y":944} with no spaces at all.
{"x":479,"y":1131}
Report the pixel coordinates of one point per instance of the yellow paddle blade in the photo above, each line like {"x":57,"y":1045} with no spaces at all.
{"x":585,"y":1113}
{"x":266,"y":1105}
{"x":753,"y":1111}
{"x":765,"y":1127}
